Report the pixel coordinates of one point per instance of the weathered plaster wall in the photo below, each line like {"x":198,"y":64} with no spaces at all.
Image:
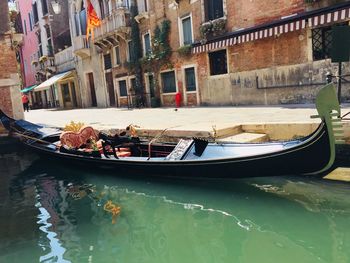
{"x":265,"y":86}
{"x":92,"y":64}
{"x":30,"y":44}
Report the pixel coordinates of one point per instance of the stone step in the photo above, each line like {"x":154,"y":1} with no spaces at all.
{"x":245,"y":137}
{"x":339,"y":174}
{"x":224,"y":132}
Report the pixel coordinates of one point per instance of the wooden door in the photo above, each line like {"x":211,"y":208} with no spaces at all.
{"x":92,"y":89}
{"x":110,"y":88}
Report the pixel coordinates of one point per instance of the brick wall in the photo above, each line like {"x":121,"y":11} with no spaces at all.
{"x":10,"y":100}
{"x":5,"y":100}
{"x":4,"y":21}
{"x":8,"y":63}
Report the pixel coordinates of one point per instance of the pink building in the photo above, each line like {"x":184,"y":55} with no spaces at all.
{"x":30,"y":42}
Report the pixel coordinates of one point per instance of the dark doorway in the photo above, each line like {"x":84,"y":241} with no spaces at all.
{"x":151,"y":85}
{"x":110,"y":88}
{"x":74,"y":95}
{"x":92,"y":90}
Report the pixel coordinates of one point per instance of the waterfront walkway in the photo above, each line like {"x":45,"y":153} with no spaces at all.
{"x":279,"y":122}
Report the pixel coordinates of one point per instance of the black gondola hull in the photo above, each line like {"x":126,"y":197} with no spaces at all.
{"x":308,"y":157}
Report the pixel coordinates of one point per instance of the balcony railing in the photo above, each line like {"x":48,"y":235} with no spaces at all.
{"x":117,"y":20}
{"x":81,"y":46}
{"x":64,"y":59}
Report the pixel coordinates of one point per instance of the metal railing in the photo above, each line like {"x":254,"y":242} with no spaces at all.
{"x":114,"y":21}
{"x":80,"y":42}
{"x":64,"y":57}
{"x":138,"y":100}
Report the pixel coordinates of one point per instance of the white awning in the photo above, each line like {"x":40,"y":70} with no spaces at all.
{"x":47,"y":83}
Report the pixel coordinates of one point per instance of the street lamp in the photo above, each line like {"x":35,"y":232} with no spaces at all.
{"x":56,"y":6}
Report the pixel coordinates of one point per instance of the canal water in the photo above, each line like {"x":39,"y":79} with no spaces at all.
{"x":52,"y":213}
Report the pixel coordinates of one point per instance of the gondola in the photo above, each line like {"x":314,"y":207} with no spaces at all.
{"x":198,"y":158}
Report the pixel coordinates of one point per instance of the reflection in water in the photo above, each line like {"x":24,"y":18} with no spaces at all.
{"x":255,"y":220}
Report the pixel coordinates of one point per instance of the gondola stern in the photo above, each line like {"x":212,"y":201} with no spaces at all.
{"x":328,"y":109}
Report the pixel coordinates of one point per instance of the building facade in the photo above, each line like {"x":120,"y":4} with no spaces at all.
{"x":267,"y":55}
{"x":201,"y":52}
{"x":47,"y":39}
{"x":223,"y":52}
{"x":10,"y":99}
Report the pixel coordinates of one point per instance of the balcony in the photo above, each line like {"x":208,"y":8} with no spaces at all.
{"x":81,"y":47}
{"x":117,"y":24}
{"x":64,"y":60}
{"x":18,"y":39}
{"x":44,"y":68}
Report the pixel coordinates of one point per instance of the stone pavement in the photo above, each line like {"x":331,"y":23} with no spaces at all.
{"x":278,"y":122}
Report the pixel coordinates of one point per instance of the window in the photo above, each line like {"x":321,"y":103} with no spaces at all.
{"x":168,"y":82}
{"x":25,"y":26}
{"x":147,"y":44}
{"x":117,"y":55}
{"x":107,"y":61}
{"x":40,"y":52}
{"x":142,"y":6}
{"x":77,"y":24}
{"x":186,"y":28}
{"x":122,"y":88}
{"x":218,"y":62}
{"x":82,"y":19}
{"x":213,"y":9}
{"x":49,"y":48}
{"x":35,"y":13}
{"x":129,"y":51}
{"x":65,"y":92}
{"x":48,"y":32}
{"x":25,"y":67}
{"x":102,"y":9}
{"x":133,"y":85}
{"x":190,"y":79}
{"x":30,"y":21}
{"x":321,"y":43}
{"x":123,"y":4}
{"x":44,"y":7}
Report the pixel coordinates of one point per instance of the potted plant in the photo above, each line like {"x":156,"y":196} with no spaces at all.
{"x":185,"y":50}
{"x":219,"y":26}
{"x":43,"y":59}
{"x":205,"y":29}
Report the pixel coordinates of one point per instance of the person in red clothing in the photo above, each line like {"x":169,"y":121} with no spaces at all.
{"x":25,"y":101}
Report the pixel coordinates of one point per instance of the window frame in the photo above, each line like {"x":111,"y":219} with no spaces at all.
{"x":30,"y":21}
{"x":145,"y":54}
{"x":104,"y":62}
{"x":133,"y":92}
{"x":195,"y":76}
{"x":207,"y":17}
{"x":126,"y":87}
{"x":210,"y":63}
{"x":25,"y":26}
{"x":115,"y":60}
{"x":44,"y":7}
{"x":181,"y":31}
{"x":162,"y":84}
{"x":146,"y":5}
{"x":128,"y":57}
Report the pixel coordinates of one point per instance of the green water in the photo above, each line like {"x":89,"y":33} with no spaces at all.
{"x":43,"y":218}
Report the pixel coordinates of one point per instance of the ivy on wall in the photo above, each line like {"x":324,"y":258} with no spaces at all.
{"x":159,"y":58}
{"x":134,"y":65}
